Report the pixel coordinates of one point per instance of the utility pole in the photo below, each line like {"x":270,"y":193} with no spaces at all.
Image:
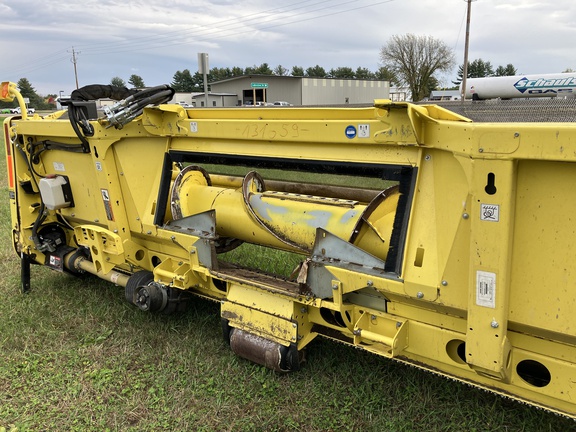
{"x":204,"y":69}
{"x":465,"y":68}
{"x":74,"y":60}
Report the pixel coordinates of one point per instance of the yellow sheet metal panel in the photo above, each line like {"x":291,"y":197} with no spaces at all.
{"x":542,"y":270}
{"x":466,"y":271}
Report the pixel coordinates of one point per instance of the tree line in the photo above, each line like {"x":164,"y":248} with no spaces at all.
{"x":186,"y":81}
{"x":409,"y":61}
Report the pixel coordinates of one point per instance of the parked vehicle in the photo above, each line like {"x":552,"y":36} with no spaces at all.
{"x":18,"y":111}
{"x":282,"y":103}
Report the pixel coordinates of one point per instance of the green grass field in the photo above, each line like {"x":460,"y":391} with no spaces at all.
{"x":74,"y":356}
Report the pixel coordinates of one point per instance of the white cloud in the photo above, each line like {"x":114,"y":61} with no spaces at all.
{"x":156,"y":38}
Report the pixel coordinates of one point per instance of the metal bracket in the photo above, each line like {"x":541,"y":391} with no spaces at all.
{"x":203,"y":226}
{"x":332,"y":251}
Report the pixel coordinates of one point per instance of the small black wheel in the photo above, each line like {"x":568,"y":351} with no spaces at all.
{"x":137,"y":280}
{"x":151,"y":298}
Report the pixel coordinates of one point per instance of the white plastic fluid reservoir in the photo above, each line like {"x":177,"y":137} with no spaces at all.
{"x":55,"y":191}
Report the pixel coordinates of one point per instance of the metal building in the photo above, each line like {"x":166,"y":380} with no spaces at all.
{"x":258,"y":89}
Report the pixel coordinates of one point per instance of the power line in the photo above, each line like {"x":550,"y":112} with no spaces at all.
{"x":298,"y":12}
{"x":97,"y":48}
{"x":235,"y":22}
{"x":275,"y":20}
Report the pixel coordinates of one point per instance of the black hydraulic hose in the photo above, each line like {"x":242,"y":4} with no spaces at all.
{"x":150,"y":91}
{"x":125,"y":111}
{"x":74,"y":121}
{"x":41,"y":217}
{"x":131,"y":102}
{"x":98,"y":91}
{"x":163,"y":96}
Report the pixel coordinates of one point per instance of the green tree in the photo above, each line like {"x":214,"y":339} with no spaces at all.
{"x":432,"y":84}
{"x":219,"y":74}
{"x":316,"y":71}
{"x":237,"y":71}
{"x":183,"y":81}
{"x":263,"y":69}
{"x":27,"y":91}
{"x":281,"y":70}
{"x":117,"y":82}
{"x":415,"y":59}
{"x":297,"y":71}
{"x":198,"y":82}
{"x":508,"y":70}
{"x":476,"y":69}
{"x":341,"y":72}
{"x":136,"y":81}
{"x":385,"y":74}
{"x":364,"y":73}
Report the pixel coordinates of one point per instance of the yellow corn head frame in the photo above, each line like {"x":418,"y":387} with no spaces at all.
{"x":451,"y":249}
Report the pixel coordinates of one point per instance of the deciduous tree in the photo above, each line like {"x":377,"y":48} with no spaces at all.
{"x":415,"y":59}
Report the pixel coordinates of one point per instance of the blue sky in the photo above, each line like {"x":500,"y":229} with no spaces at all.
{"x":156,"y":38}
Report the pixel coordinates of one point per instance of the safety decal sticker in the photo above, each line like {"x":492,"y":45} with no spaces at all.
{"x":363,"y":131}
{"x":490,"y":212}
{"x":107,"y":204}
{"x":486,"y":289}
{"x":350,"y":132}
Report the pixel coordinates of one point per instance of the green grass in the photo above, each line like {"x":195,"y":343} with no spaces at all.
{"x":74,"y":356}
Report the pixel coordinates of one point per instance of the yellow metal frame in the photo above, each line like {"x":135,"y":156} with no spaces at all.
{"x":484,"y":293}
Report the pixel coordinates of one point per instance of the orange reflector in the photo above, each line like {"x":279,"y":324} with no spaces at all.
{"x":9,"y":161}
{"x":10,"y":173}
{"x":5,"y":92}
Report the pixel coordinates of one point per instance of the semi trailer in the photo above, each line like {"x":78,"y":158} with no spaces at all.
{"x":521,"y":86}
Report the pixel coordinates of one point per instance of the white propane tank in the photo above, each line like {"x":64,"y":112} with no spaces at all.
{"x":521,"y":86}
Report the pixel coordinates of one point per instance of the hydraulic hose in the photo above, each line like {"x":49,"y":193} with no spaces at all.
{"x":131,"y":104}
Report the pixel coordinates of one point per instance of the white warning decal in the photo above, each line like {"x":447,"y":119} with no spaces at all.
{"x":486,"y":289}
{"x":490,"y":212}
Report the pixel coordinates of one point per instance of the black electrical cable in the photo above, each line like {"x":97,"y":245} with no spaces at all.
{"x":29,"y":163}
{"x":54,"y":145}
{"x":41,"y":218}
